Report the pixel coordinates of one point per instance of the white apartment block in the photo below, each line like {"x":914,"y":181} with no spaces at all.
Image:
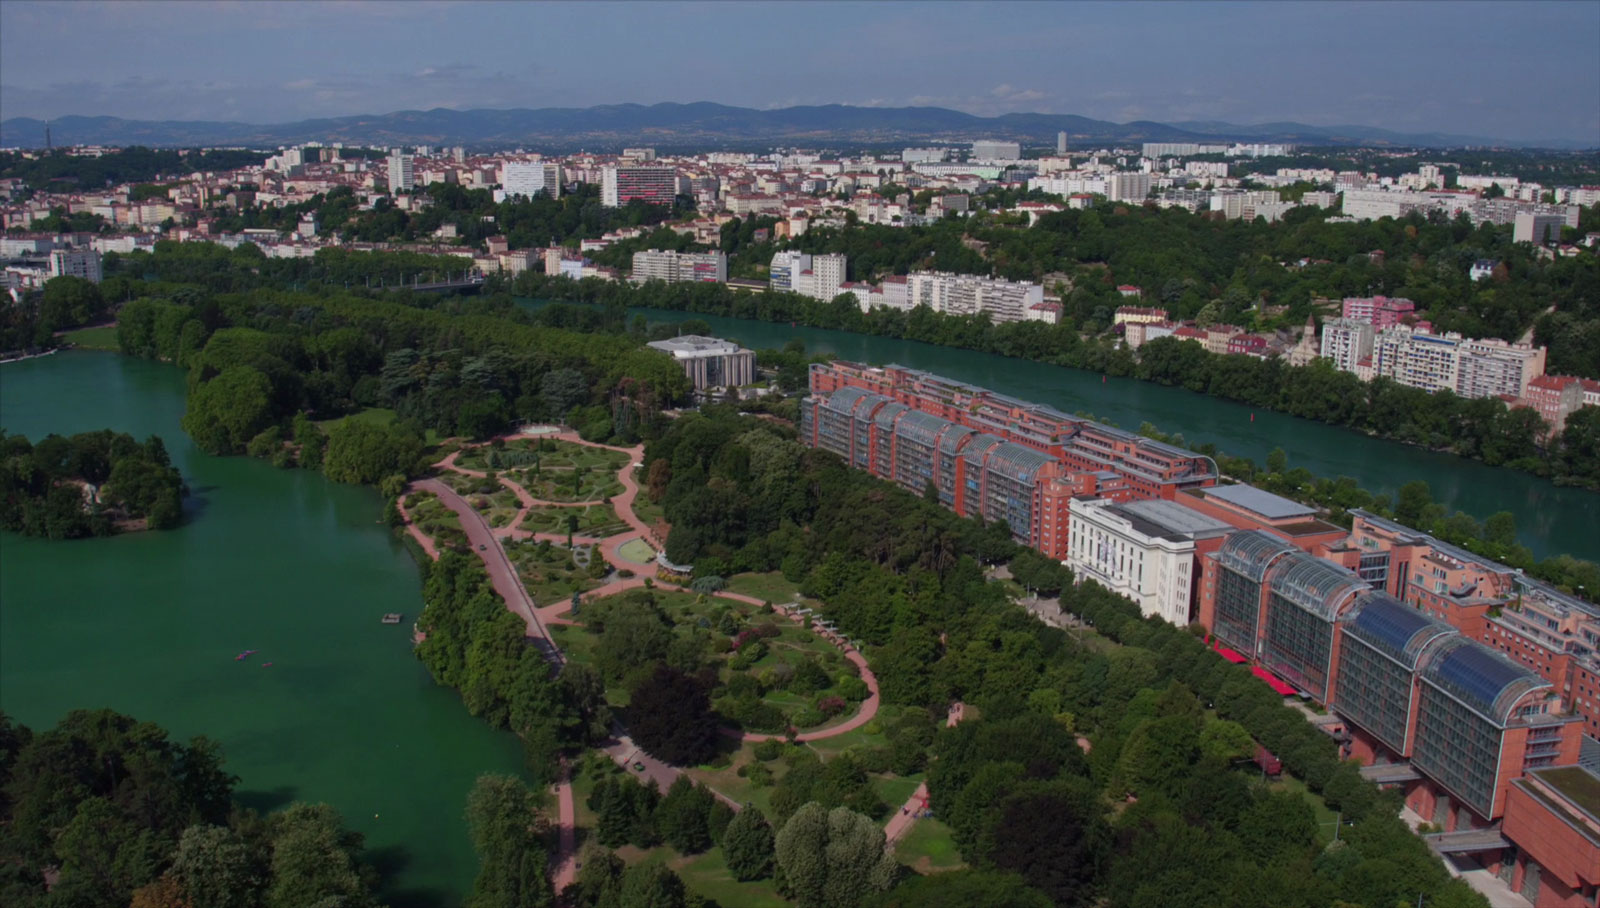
{"x":1346,"y":341}
{"x":529,"y":178}
{"x":1536,"y":227}
{"x":679,"y":267}
{"x":827,"y":274}
{"x":1489,"y":368}
{"x":402,"y":173}
{"x":1143,"y":550}
{"x":1470,"y":368}
{"x":1179,"y":149}
{"x":992,"y":150}
{"x":1416,"y":360}
{"x":968,"y":294}
{"x":1128,"y":187}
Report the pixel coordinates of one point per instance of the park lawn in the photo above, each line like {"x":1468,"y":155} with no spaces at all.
{"x":103,"y":337}
{"x":894,"y":790}
{"x":707,"y":874}
{"x":728,"y":781}
{"x":768,"y":587}
{"x":929,"y":847}
{"x":597,"y":520}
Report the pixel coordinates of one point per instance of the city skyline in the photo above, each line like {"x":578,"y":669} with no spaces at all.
{"x":1394,"y":66}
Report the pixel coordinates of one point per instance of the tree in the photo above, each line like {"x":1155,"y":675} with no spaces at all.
{"x":747,"y":845}
{"x":224,"y":413}
{"x":1412,"y":500}
{"x":217,"y":866}
{"x":1277,"y":460}
{"x":1053,"y":834}
{"x":361,"y":452}
{"x":312,"y":861}
{"x":833,"y":859}
{"x":69,"y":301}
{"x":651,"y":886}
{"x":682,"y":818}
{"x":961,"y":889}
{"x":670,"y":717}
{"x":503,"y":817}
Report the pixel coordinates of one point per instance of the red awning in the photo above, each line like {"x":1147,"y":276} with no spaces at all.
{"x":1277,"y":685}
{"x":1230,"y":655}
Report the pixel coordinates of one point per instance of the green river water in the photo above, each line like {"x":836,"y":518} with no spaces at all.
{"x":280,"y":561}
{"x":1550,"y":520}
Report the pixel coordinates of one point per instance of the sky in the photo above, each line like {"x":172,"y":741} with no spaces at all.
{"x":1522,"y":70}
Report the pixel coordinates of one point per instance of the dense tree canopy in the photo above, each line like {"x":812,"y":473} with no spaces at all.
{"x":63,"y":488}
{"x":118,"y":814}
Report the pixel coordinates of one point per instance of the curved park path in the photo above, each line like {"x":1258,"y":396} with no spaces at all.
{"x":486,"y":541}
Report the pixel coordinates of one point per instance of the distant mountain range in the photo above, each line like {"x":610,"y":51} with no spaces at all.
{"x":702,"y":125}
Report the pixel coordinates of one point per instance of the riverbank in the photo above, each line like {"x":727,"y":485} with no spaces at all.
{"x":1550,"y":519}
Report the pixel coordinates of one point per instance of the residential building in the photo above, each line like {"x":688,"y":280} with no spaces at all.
{"x":1137,"y":315}
{"x":1378,"y":311}
{"x":786,"y":266}
{"x":622,"y":184}
{"x":1537,"y":227}
{"x":402,"y":173}
{"x":710,"y":362}
{"x":993,"y":150}
{"x":969,"y":294}
{"x":526,"y":179}
{"x":83,"y":263}
{"x":1557,"y":397}
{"x":824,"y":279}
{"x":1470,"y":368}
{"x":1128,"y":187}
{"x":1145,"y":550}
{"x":1346,"y":341}
{"x":1482,"y":269}
{"x":679,"y":267}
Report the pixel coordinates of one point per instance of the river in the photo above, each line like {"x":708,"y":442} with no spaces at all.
{"x":280,"y":561}
{"x":1550,"y":520}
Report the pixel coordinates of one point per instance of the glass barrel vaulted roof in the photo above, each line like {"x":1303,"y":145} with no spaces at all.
{"x":1318,"y":586}
{"x":1394,"y":628}
{"x":1485,"y":681}
{"x":1249,"y":552}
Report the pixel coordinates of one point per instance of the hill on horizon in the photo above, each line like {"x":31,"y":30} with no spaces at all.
{"x":705,"y":124}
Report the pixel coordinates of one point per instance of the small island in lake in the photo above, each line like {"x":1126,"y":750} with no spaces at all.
{"x":89,"y":484}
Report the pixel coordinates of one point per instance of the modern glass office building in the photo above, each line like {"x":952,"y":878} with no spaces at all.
{"x":1243,"y":562}
{"x":1470,"y":695}
{"x":1383,"y":640}
{"x":1306,"y":597}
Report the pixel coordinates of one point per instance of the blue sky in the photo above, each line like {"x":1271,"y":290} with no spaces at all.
{"x":1523,"y":70}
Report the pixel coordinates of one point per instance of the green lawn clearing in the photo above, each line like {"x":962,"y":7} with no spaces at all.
{"x":103,"y":337}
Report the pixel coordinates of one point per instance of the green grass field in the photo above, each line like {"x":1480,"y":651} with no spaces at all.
{"x":707,"y":874}
{"x":103,"y":337}
{"x":929,"y":848}
{"x":769,"y":587}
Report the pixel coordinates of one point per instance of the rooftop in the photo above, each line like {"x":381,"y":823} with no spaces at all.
{"x":1577,"y":784}
{"x":1268,"y":505}
{"x":1165,"y":518}
{"x":692,"y":344}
